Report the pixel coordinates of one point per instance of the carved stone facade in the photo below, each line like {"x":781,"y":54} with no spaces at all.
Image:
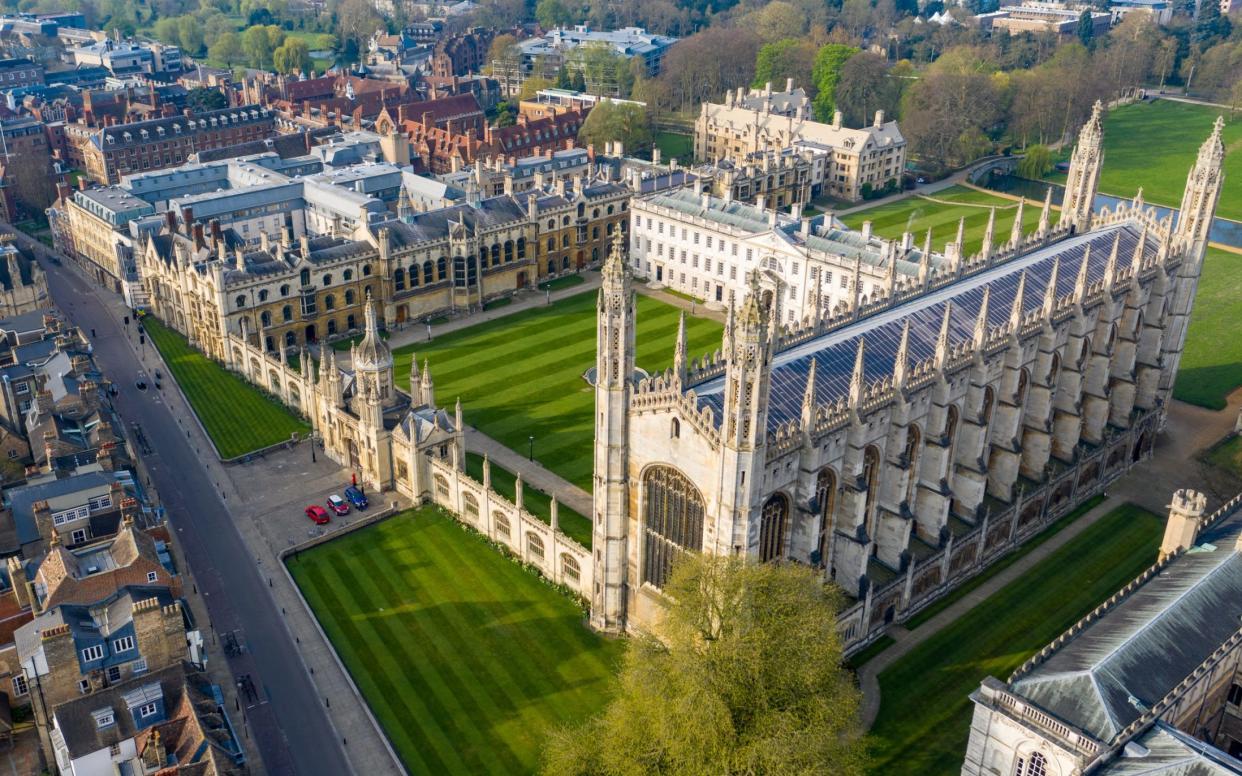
{"x":871,"y":441}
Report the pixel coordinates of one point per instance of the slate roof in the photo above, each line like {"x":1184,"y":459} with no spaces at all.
{"x":1123,"y":663}
{"x":77,"y":723}
{"x":834,"y":353}
{"x":1164,"y":750}
{"x":22,"y":499}
{"x":434,"y":224}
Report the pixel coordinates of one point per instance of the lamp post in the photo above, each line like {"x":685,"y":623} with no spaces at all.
{"x":531,"y":452}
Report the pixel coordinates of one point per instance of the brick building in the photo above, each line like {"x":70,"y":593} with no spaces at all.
{"x":462,"y":54}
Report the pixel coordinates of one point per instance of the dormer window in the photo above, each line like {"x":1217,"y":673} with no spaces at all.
{"x":176,"y":129}
{"x":145,"y":134}
{"x":111,"y":140}
{"x":152,"y":576}
{"x":160,"y":131}
{"x":104,"y":718}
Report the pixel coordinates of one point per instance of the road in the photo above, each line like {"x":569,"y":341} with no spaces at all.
{"x":288,"y":719}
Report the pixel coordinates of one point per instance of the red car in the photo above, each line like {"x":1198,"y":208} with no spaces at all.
{"x":338,"y":505}
{"x":318,"y":514}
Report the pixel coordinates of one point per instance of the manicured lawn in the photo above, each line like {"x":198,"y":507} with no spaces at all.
{"x":673,"y":145}
{"x":924,"y":719}
{"x":1227,"y":455}
{"x":565,"y":281}
{"x":521,"y":375}
{"x":1211,"y":366}
{"x":345,"y":344}
{"x":573,"y":524}
{"x":917,"y":215}
{"x":979,"y":579}
{"x":861,"y":658}
{"x":466,"y":658}
{"x":238,"y":416}
{"x":1154,"y":144}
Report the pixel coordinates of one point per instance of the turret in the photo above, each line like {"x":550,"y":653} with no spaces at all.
{"x":1015,"y":232}
{"x":858,"y":378}
{"x":1203,"y":185}
{"x":1045,"y":215}
{"x":428,"y":388}
{"x":1185,"y":516}
{"x":679,"y":351}
{"x":1084,"y":172}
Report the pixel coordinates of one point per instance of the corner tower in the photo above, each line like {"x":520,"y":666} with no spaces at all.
{"x":1084,"y":172}
{"x":614,"y":373}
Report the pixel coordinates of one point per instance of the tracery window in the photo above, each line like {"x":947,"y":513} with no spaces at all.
{"x":826,"y":498}
{"x":914,"y":439}
{"x":1035,"y":765}
{"x":871,"y":481}
{"x":773,"y":525}
{"x":672,"y":521}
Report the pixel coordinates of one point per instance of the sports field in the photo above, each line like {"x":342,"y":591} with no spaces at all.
{"x":1211,"y":365}
{"x":918,"y":214}
{"x":466,"y":658}
{"x":1154,"y":144}
{"x":924,"y":719}
{"x":238,"y":417}
{"x":522,"y":375}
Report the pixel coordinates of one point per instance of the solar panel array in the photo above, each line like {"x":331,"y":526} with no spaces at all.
{"x":834,"y":353}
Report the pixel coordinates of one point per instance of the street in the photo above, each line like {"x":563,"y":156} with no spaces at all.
{"x":286,"y":714}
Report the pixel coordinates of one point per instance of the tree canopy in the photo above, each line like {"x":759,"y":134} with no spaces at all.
{"x":826,"y":73}
{"x":626,"y":122}
{"x":747,"y":680}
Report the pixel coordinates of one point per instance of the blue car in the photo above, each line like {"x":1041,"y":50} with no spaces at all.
{"x":356,"y":498}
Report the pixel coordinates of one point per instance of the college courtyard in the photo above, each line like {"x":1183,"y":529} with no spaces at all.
{"x":468,"y":660}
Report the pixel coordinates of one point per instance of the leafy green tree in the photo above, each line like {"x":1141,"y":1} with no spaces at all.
{"x":227,"y":50}
{"x":1211,"y":25}
{"x":1086,"y":27}
{"x":788,"y":58}
{"x":1036,"y":163}
{"x":166,"y":31}
{"x":257,"y":46}
{"x":504,"y":115}
{"x":826,"y":74}
{"x":293,"y":56}
{"x":578,"y":82}
{"x":562,"y":78}
{"x":190,"y":34}
{"x":553,"y":13}
{"x":746,"y":680}
{"x":532,"y":86}
{"x":609,"y":120}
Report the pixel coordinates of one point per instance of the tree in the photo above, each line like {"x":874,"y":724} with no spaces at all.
{"x":203,"y":98}
{"x":704,"y":66}
{"x":776,"y":21}
{"x":357,"y":22}
{"x":227,"y":50}
{"x":190,"y":34}
{"x":1086,"y":27}
{"x":864,"y":88}
{"x":578,"y":81}
{"x":563,"y":80}
{"x":957,"y":94}
{"x":1036,"y":163}
{"x":293,"y":56}
{"x":532,"y":86}
{"x":1210,"y":26}
{"x":504,"y":115}
{"x":827,"y":71}
{"x":747,"y":679}
{"x":609,"y":121}
{"x":166,"y":31}
{"x":257,"y":47}
{"x":789,"y":58}
{"x":553,"y":13}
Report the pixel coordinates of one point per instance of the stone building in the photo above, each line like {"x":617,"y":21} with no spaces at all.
{"x":859,"y":160}
{"x":23,"y":286}
{"x":1148,"y":682}
{"x":933,"y":420}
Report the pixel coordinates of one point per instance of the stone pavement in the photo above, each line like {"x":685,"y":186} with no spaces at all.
{"x":24,"y":757}
{"x":1174,"y":464}
{"x":533,"y":473}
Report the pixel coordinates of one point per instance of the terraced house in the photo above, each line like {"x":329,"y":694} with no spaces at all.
{"x":899,"y":442}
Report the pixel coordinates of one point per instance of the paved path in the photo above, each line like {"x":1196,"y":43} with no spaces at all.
{"x":533,"y":473}
{"x":1174,"y":464}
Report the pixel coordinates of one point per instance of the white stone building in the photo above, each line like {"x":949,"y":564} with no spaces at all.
{"x":914,"y":433}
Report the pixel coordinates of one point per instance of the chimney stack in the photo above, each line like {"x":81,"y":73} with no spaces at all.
{"x":198,"y":236}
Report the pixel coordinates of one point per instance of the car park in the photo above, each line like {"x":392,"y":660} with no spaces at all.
{"x":318,"y":515}
{"x":338,"y":504}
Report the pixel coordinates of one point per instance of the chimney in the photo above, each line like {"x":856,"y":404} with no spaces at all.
{"x":866,"y":230}
{"x":789,"y":84}
{"x":198,"y":236}
{"x":879,"y":119}
{"x":1182,"y":529}
{"x":427,"y":119}
{"x":215,"y":231}
{"x":170,"y":216}
{"x":655,"y":156}
{"x":187,"y":216}
{"x":82,"y":183}
{"x":836,"y":119}
{"x":759,"y":203}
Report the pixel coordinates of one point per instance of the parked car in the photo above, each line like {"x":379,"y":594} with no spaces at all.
{"x":318,"y":515}
{"x":338,"y":505}
{"x":356,"y":498}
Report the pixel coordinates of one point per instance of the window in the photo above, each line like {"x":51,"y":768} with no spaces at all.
{"x":78,"y":536}
{"x":327,"y":280}
{"x":99,"y":502}
{"x":148,"y":709}
{"x":240,"y":301}
{"x":152,"y":576}
{"x":114,"y":674}
{"x":502,"y":524}
{"x":286,"y":313}
{"x":69,"y":515}
{"x":535,"y":546}
{"x":21,"y":388}
{"x":773,"y":526}
{"x":570,"y":566}
{"x":1235,"y":695}
{"x":284,"y":290}
{"x":263,"y":295}
{"x":104,"y":719}
{"x":19,"y":685}
{"x":84,"y":686}
{"x":1035,"y":765}
{"x":94,"y":652}
{"x":125,"y":643}
{"x":673,"y":521}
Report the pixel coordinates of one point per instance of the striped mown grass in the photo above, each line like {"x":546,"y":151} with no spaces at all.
{"x":1211,"y":365}
{"x":467,"y":659}
{"x":521,"y":375}
{"x":925,"y":708}
{"x":917,"y":214}
{"x":238,"y":417}
{"x":573,"y":524}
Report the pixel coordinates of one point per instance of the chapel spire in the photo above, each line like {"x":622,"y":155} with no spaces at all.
{"x":1084,"y":172}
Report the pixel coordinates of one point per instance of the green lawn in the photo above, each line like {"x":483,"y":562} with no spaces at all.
{"x":467,"y":659}
{"x":521,"y":375}
{"x":573,"y":524}
{"x":565,"y":281}
{"x":1154,"y":144}
{"x":917,"y":215}
{"x":238,"y":417}
{"x":1227,"y":455}
{"x":674,"y":145}
{"x":345,"y":344}
{"x":924,"y":719}
{"x":1211,"y":366}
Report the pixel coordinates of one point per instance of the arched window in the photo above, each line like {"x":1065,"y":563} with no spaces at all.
{"x":240,"y":301}
{"x":350,"y":296}
{"x":331,"y":326}
{"x":1054,"y":370}
{"x":675,"y":429}
{"x":495,"y":254}
{"x":564,"y":241}
{"x":290,"y":339}
{"x":551,"y":266}
{"x":1033,"y":765}
{"x":534,"y":546}
{"x":284,"y":290}
{"x":265,"y":319}
{"x":329,"y":302}
{"x":351,"y":322}
{"x":305,"y":277}
{"x":985,"y":411}
{"x":521,"y":248}
{"x":950,"y":425}
{"x":286,"y":313}
{"x":551,"y":243}
{"x":366,"y":270}
{"x":672,"y":521}
{"x":502,"y":524}
{"x":1086,"y":351}
{"x":471,"y":505}
{"x":263,"y":295}
{"x":398,"y":279}
{"x":1024,"y":381}
{"x":508,"y":251}
{"x":914,"y":443}
{"x":773,"y":525}
{"x":569,"y":565}
{"x":826,"y":500}
{"x":327,"y":280}
{"x":871,"y":481}
{"x":565,"y":263}
{"x":349,"y":275}
{"x":551,"y":223}
{"x":442,"y":268}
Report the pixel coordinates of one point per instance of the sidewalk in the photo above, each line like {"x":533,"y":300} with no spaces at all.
{"x":533,"y":473}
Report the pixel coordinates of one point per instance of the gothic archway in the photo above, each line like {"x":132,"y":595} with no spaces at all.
{"x":773,"y":526}
{"x":672,"y":521}
{"x":826,"y":500}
